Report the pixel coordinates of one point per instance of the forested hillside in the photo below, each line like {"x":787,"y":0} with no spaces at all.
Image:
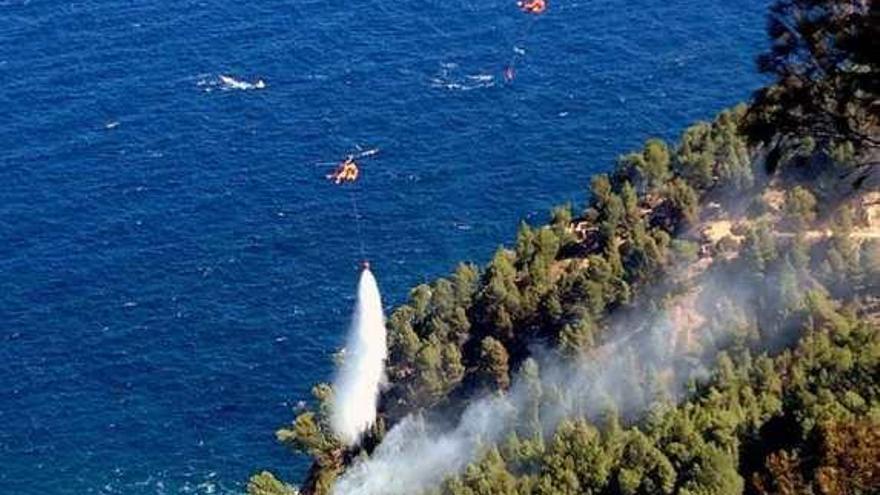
{"x":707,"y":323}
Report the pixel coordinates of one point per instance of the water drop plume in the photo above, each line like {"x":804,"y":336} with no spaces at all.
{"x":363,"y":367}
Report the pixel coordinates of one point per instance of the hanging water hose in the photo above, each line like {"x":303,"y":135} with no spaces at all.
{"x":346,"y":174}
{"x":357,"y":221}
{"x":533,"y":8}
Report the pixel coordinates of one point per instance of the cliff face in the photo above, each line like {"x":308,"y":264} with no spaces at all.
{"x":697,"y":239}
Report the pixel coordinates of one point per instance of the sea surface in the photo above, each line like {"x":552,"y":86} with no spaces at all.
{"x":176,"y":272}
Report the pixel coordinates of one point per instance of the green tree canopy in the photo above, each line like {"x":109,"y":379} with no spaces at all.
{"x":825,"y":62}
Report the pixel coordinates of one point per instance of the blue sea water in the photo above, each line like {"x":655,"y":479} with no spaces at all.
{"x":175,"y":272}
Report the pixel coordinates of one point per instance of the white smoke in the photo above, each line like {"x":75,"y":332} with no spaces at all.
{"x":415,"y":457}
{"x":363,"y":367}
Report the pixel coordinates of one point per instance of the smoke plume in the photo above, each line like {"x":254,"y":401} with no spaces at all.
{"x":362,"y":370}
{"x":415,"y":455}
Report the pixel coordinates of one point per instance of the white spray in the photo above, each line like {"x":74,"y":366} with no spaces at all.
{"x":362,"y":371}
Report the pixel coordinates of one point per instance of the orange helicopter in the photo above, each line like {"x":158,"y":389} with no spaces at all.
{"x":532,"y":6}
{"x":347,"y":171}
